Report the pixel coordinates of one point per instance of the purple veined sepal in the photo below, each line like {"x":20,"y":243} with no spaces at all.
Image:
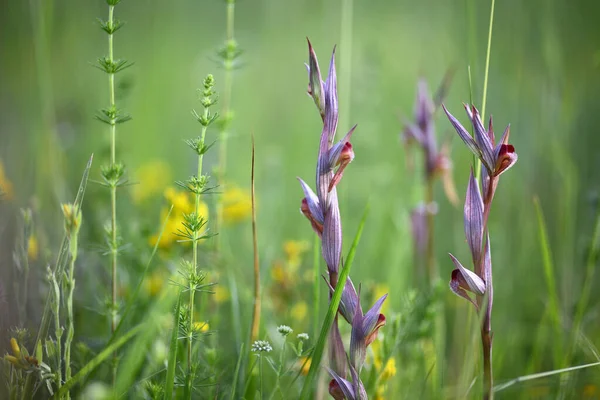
{"x":464,"y":280}
{"x":331,"y":102}
{"x":349,"y":301}
{"x":482,"y":137}
{"x":364,"y":331}
{"x":473,"y":221}
{"x":463,"y":134}
{"x":315,"y":82}
{"x":332,"y":234}
{"x":311,"y":208}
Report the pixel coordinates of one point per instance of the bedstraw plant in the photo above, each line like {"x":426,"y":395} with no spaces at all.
{"x":194,"y":230}
{"x":113,"y":173}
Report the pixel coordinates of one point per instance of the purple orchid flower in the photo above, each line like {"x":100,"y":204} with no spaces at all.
{"x":495,"y":157}
{"x":322,"y":209}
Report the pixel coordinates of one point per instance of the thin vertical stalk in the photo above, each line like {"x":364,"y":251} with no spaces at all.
{"x":72,"y":224}
{"x":229,"y":55}
{"x":257,"y":300}
{"x":195,"y":257}
{"x":485,"y":79}
{"x":432,"y":274}
{"x":113,"y":191}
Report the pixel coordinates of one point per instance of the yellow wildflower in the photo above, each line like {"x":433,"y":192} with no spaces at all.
{"x":237,"y":204}
{"x":293,"y":250}
{"x":32,"y":248}
{"x":278,"y":273}
{"x":6,"y":186}
{"x":590,"y":391}
{"x":221,"y":293}
{"x":182,"y":204}
{"x":379,"y":393}
{"x":304,"y":365}
{"x":153,"y":177}
{"x":154,"y":283}
{"x":389,"y":370}
{"x":201,"y":326}
{"x":298,"y":311}
{"x":15,"y":347}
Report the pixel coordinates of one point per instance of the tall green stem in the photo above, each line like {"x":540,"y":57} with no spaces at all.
{"x":230,"y":51}
{"x":485,"y":78}
{"x":113,"y":190}
{"x":197,"y":235}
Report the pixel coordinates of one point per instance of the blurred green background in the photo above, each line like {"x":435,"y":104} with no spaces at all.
{"x":544,"y":80}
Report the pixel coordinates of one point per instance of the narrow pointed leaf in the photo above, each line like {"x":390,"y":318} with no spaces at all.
{"x":482,"y":139}
{"x":315,"y":82}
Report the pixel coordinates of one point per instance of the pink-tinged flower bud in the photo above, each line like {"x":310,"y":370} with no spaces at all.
{"x":345,"y":158}
{"x":373,"y":335}
{"x":305,"y":209}
{"x":506,"y":158}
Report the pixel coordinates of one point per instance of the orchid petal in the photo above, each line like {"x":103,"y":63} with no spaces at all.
{"x":315,"y":82}
{"x":468,"y":279}
{"x":331,"y":102}
{"x":463,"y":134}
{"x":458,"y":290}
{"x":332,"y":234}
{"x":506,"y":159}
{"x":482,"y":140}
{"x":340,"y":388}
{"x":473,"y":220}
{"x":313,"y":201}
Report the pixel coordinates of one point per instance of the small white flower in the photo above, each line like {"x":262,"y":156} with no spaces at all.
{"x":284,"y":330}
{"x":303,"y":336}
{"x":261,"y":346}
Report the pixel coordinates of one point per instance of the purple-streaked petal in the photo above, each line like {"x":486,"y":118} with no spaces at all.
{"x":468,"y":279}
{"x":482,"y":140}
{"x":487,"y":264}
{"x":316,"y":225}
{"x":332,"y":234}
{"x":340,"y":388}
{"x":473,"y":220}
{"x":358,"y":347}
{"x":312,"y":201}
{"x":315,"y":82}
{"x":455,"y":286}
{"x":463,"y":134}
{"x":331,"y":102}
{"x":503,"y":140}
{"x":424,"y":105}
{"x":349,"y":301}
{"x":410,"y":133}
{"x":359,"y":388}
{"x":490,"y":132}
{"x":372,"y":316}
{"x":337,"y":355}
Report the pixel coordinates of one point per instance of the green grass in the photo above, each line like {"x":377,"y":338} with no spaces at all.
{"x":541,"y":77}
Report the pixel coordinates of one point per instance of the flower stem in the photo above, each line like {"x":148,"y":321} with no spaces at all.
{"x":257,"y":301}
{"x":430,"y":253}
{"x":70,"y":283}
{"x":485,"y":77}
{"x":226,"y":107}
{"x":113,"y":193}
